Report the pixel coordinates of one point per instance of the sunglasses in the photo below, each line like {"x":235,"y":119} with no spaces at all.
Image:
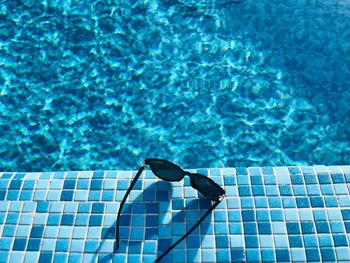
{"x":169,"y":171}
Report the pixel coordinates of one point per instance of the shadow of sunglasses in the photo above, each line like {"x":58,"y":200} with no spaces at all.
{"x":169,"y":171}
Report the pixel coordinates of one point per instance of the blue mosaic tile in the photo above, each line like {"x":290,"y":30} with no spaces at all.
{"x":272,"y":214}
{"x":343,"y":253}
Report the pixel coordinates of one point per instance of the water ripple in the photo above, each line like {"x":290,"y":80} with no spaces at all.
{"x":102,"y":85}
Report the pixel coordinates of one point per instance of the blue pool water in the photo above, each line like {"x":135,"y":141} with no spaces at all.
{"x":103,"y":85}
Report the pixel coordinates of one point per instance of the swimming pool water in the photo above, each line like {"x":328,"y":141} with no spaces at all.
{"x":103,"y":85}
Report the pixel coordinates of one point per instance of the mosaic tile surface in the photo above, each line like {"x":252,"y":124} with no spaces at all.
{"x":270,"y":214}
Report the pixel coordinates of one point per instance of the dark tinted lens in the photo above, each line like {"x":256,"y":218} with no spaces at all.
{"x":166,"y":170}
{"x":206,"y":186}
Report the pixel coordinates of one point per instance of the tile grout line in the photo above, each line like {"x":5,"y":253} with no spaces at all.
{"x":347,"y":235}
{"x":226,"y":221}
{"x":313,"y":221}
{"x":269,"y":209}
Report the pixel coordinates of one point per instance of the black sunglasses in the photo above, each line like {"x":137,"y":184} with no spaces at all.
{"x":169,"y":171}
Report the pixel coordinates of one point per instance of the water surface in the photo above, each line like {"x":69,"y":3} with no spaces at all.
{"x":103,"y":85}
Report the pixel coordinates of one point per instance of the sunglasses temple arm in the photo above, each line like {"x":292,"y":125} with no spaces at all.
{"x":190,"y":231}
{"x":123,"y":201}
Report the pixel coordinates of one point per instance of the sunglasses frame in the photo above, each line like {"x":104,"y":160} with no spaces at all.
{"x":193,"y":177}
{"x":139,"y":172}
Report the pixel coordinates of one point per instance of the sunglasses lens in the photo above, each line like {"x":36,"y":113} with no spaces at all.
{"x":166,"y":170}
{"x":207,"y":187}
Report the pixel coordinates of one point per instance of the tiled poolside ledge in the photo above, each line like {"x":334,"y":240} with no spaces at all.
{"x":270,"y":214}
